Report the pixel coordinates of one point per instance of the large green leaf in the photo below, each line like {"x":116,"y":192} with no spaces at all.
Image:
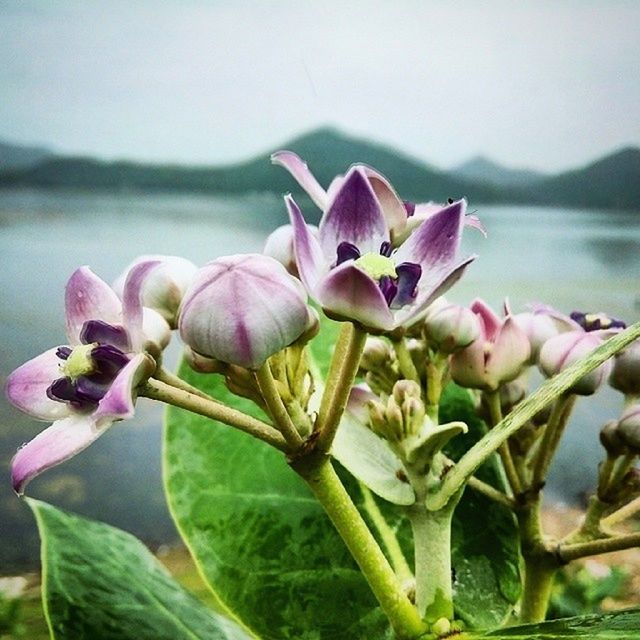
{"x":271,"y":555}
{"x":100,"y":582}
{"x":621,"y":625}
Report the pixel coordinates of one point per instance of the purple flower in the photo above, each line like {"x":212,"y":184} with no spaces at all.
{"x":352,"y":268}
{"x":242,"y":309}
{"x":87,"y":385}
{"x":498,"y":355}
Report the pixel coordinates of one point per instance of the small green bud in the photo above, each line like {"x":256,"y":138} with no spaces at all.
{"x":441,"y":627}
{"x":611,"y":439}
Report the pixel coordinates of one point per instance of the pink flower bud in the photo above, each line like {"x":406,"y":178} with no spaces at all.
{"x":242,"y":309}
{"x":451,"y":328}
{"x":625,"y":374}
{"x":497,"y":355}
{"x":279,"y":246}
{"x":563,"y":350}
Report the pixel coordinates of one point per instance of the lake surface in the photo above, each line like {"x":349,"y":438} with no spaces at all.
{"x":585,"y":260}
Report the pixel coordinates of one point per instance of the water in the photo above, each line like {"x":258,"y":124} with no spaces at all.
{"x":569,"y":259}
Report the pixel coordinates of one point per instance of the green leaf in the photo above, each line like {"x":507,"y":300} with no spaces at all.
{"x":621,"y":625}
{"x":271,"y":555}
{"x":101,"y":582}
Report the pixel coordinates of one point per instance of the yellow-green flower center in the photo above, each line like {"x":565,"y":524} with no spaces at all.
{"x":79,"y":363}
{"x":377,"y":266}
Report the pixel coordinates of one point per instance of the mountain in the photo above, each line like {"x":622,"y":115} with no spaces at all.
{"x":482,"y":169}
{"x":13,"y":156}
{"x":327,"y":151}
{"x":611,"y":182}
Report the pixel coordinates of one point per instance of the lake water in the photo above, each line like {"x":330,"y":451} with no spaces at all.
{"x":570,"y":259}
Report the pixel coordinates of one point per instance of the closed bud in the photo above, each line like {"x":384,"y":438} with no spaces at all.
{"x":165,"y":286}
{"x":611,"y":440}
{"x":395,"y":419}
{"x":377,"y":353}
{"x":242,"y":309}
{"x":629,"y":427}
{"x":406,"y":389}
{"x":625,"y":374}
{"x":451,"y":328}
{"x":279,"y":246}
{"x":540,"y":326}
{"x":563,"y":350}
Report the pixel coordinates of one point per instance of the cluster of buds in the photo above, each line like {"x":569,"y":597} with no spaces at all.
{"x":403,"y":414}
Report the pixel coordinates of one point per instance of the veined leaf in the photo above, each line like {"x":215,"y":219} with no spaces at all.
{"x":101,"y":582}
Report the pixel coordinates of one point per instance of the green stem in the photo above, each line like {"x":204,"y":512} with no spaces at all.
{"x":276,"y":407}
{"x":623,"y":513}
{"x":163,"y":392}
{"x":490,"y":492}
{"x":387,"y":535}
{"x":169,"y":378}
{"x":407,"y":367}
{"x":551,"y":438}
{"x":538,"y":581}
{"x":620,"y":471}
{"x":495,"y":411}
{"x":432,"y":548}
{"x":524,"y":411}
{"x":436,"y":366}
{"x":342,"y":373}
{"x":326,"y":486}
{"x":570,"y":552}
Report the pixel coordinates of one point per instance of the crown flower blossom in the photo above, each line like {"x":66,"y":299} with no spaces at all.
{"x":242,"y":309}
{"x":352,"y":268}
{"x":90,"y":383}
{"x":496,"y":356}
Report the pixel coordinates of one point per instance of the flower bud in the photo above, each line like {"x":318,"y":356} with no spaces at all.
{"x":629,"y":427}
{"x":538,"y":327}
{"x":611,"y":440}
{"x":242,"y":309}
{"x":563,"y":350}
{"x":451,"y":328}
{"x":279,"y":246}
{"x":165,"y":286}
{"x":625,"y":374}
{"x":377,"y":353}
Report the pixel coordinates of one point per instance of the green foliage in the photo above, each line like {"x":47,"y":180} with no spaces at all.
{"x":100,"y":582}
{"x":271,"y":555}
{"x":576,"y":590}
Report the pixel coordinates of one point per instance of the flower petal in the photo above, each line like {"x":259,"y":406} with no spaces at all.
{"x":510,"y":352}
{"x":88,"y":297}
{"x":354,"y":216}
{"x":349,"y":293}
{"x":299,"y":170}
{"x":468,"y":366}
{"x":27,"y":386}
{"x":489,"y":321}
{"x":432,"y":285}
{"x":59,"y":442}
{"x":118,"y":402}
{"x":393,"y":208}
{"x":437,"y":239}
{"x":132,"y":301}
{"x":311,"y":262}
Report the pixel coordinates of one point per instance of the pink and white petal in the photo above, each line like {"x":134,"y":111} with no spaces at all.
{"x":156,"y":330}
{"x":348,"y":293}
{"x":88,"y":297}
{"x":511,"y":351}
{"x":354,"y":215}
{"x":118,"y":403}
{"x":310,"y":259}
{"x":26,"y":387}
{"x":431,"y":286}
{"x":299,"y":170}
{"x":358,"y":402}
{"x":475,"y":223}
{"x":490,"y":322}
{"x":468,"y":366}
{"x":59,"y":442}
{"x":437,"y":239}
{"x":392,"y":207}
{"x":132,"y":301}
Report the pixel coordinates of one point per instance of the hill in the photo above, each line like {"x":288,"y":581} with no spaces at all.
{"x":13,"y":156}
{"x":482,"y":169}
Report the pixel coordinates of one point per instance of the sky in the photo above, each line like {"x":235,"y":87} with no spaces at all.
{"x":542,"y":84}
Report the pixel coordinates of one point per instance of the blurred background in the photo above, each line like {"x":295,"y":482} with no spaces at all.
{"x":146,"y":128}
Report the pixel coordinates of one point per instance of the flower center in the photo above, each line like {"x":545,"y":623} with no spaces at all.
{"x":79,"y":362}
{"x":377,"y":265}
{"x":596,"y":321}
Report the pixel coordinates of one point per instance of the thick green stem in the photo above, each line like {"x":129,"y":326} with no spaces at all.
{"x":346,"y":518}
{"x":157,"y":390}
{"x":407,"y":367}
{"x":524,"y":411}
{"x":570,"y":552}
{"x":432,"y":545}
{"x":435,"y":372}
{"x":623,"y":513}
{"x":491,"y":492}
{"x":538,"y":581}
{"x":343,"y":370}
{"x":276,"y":407}
{"x":171,"y":379}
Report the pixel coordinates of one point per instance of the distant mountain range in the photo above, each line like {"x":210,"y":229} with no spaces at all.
{"x":21,"y":157}
{"x":611,"y":182}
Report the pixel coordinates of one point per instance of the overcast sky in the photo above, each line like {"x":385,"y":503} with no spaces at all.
{"x":543,"y":84}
